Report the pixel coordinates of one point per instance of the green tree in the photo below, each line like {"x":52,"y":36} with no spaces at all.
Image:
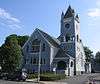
{"x":0,"y":57}
{"x":97,"y":57}
{"x":22,"y":40}
{"x":88,"y":53}
{"x":11,"y":54}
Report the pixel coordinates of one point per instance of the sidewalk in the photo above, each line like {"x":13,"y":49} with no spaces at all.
{"x":53,"y":82}
{"x":45,"y":82}
{"x":31,"y":80}
{"x":97,"y":78}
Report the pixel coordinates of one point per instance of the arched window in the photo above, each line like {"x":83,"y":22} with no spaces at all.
{"x":71,"y":64}
{"x":31,"y":60}
{"x":44,"y":61}
{"x":62,"y":39}
{"x":77,"y":38}
{"x":41,"y":61}
{"x":72,"y":38}
{"x":36,"y":45}
{"x":61,"y":65}
{"x":25,"y":61}
{"x":67,"y":38}
{"x":27,"y":48}
{"x":43,"y":47}
{"x":34,"y":61}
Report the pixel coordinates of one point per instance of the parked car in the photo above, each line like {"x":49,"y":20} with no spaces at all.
{"x":17,"y":75}
{"x":3,"y":76}
{"x":0,"y":75}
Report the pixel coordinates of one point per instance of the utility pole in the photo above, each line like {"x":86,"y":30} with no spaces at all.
{"x":39,"y":64}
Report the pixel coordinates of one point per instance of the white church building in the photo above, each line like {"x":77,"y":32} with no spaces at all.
{"x":64,"y":54}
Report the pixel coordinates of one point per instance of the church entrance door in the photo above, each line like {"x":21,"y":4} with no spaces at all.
{"x":61,"y":65}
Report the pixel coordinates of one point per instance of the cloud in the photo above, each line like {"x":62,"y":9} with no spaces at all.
{"x":98,"y":3}
{"x":8,"y":20}
{"x":95,"y":12}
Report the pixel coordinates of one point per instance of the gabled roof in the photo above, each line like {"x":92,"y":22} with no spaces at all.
{"x":69,"y":12}
{"x":55,"y":42}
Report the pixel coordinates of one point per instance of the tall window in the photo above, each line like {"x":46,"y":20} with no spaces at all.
{"x":44,"y":61}
{"x":43,"y":47}
{"x":41,"y":61}
{"x":27,"y":48}
{"x":31,"y":60}
{"x":67,"y":38}
{"x":36,"y":45}
{"x":77,"y":38}
{"x":71,"y":64}
{"x":25,"y":61}
{"x":72,"y":38}
{"x":34,"y":61}
{"x":62,"y":38}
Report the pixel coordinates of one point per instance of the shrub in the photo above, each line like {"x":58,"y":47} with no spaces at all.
{"x":32,"y":76}
{"x":51,"y":77}
{"x":47,"y":76}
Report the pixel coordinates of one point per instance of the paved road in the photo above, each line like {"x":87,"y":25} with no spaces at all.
{"x":98,"y":82}
{"x":82,"y":79}
{"x":14,"y":82}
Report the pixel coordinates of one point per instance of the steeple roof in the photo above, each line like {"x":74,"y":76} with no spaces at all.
{"x":62,"y":13}
{"x":77,"y":18}
{"x":69,"y":12}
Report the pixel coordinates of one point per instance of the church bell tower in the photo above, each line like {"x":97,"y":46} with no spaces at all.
{"x":69,"y":25}
{"x":70,"y":38}
{"x":70,"y":33}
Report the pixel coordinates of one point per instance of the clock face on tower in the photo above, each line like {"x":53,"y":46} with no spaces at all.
{"x":67,"y":25}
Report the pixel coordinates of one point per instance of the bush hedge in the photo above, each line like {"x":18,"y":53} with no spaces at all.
{"x":32,"y":76}
{"x":51,"y":77}
{"x":48,"y":76}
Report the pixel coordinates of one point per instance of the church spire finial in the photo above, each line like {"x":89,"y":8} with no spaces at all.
{"x":69,"y":7}
{"x":77,"y":16}
{"x":62,"y":15}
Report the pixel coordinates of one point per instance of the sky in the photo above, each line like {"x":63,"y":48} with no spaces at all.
{"x":22,"y":17}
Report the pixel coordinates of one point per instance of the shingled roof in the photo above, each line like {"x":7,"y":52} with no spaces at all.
{"x":60,"y":53}
{"x":55,"y":42}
